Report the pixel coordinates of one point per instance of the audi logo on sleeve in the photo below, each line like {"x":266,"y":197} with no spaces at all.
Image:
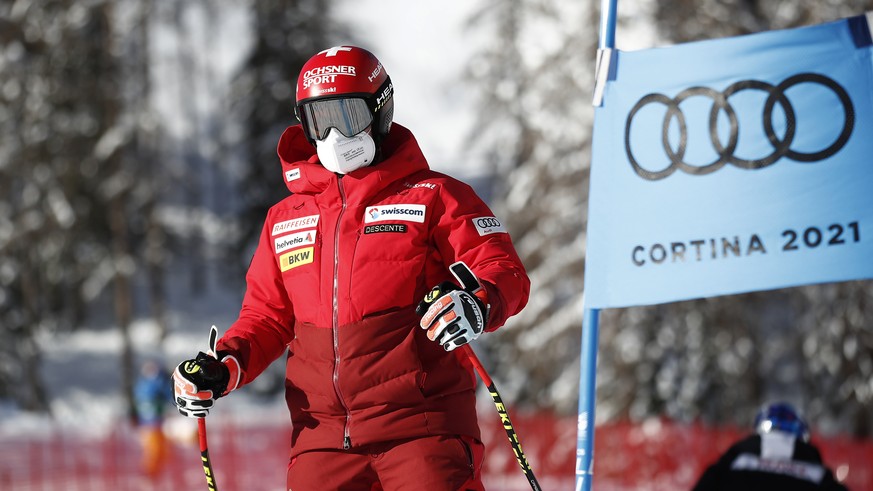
{"x":782,"y":145}
{"x":488,"y":225}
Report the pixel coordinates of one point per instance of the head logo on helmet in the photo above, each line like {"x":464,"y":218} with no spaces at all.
{"x":345,"y":72}
{"x":781,"y":417}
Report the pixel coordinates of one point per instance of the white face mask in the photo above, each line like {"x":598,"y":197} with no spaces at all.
{"x":342,"y":155}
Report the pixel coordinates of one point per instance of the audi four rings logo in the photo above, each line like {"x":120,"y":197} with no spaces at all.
{"x":488,"y":225}
{"x":488,"y":222}
{"x":720,"y":103}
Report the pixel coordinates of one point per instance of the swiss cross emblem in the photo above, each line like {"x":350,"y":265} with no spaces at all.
{"x":336,"y":49}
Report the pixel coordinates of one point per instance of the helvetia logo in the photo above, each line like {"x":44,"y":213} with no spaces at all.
{"x":285,"y":242}
{"x":398,"y":212}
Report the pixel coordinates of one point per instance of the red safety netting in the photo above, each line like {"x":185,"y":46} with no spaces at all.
{"x":655,"y":455}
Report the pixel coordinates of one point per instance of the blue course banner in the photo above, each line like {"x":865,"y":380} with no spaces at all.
{"x":733,"y":165}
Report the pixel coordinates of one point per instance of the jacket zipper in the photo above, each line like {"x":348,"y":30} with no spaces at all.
{"x":347,"y":440}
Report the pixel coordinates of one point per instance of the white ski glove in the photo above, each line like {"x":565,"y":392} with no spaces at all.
{"x":452,"y":316}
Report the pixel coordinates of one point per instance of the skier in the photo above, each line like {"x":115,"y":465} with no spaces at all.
{"x":778,"y":456}
{"x":379,"y":396}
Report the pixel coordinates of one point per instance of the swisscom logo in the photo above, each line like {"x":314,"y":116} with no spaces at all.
{"x":406,"y":213}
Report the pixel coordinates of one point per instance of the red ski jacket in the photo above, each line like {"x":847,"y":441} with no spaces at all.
{"x":340,"y":267}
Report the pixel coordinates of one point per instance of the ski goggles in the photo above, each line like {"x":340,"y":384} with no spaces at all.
{"x":349,"y":116}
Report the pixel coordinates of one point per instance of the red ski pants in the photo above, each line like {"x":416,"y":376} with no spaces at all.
{"x":435,"y":463}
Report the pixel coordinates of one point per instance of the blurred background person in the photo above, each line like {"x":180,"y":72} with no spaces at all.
{"x":153,"y":394}
{"x":779,"y":455}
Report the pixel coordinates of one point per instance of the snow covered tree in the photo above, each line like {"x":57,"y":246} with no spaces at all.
{"x":287,"y":34}
{"x":533,"y":130}
{"x":714,"y":360}
{"x":66,"y":175}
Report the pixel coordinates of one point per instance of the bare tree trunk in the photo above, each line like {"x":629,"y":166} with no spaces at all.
{"x":33,"y":395}
{"x":191,"y":155}
{"x":155,"y":238}
{"x":122,"y":297}
{"x":155,"y":254}
{"x":122,"y":257}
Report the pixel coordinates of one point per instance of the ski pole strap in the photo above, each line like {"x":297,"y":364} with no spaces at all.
{"x":465,"y":276}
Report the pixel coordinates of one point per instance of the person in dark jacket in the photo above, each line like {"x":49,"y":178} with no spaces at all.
{"x":779,"y":456}
{"x":355,"y":279}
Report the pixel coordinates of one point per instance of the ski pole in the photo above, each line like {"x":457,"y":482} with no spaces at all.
{"x":201,"y":428}
{"x":470,"y":283}
{"x":504,"y":417}
{"x":204,"y":455}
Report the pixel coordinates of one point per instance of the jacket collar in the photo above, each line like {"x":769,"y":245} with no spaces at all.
{"x":303,"y":174}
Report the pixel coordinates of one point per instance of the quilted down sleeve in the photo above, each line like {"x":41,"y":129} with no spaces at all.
{"x":467,"y":230}
{"x":264,"y":327}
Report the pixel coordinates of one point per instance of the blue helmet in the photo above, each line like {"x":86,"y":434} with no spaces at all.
{"x":781,"y":417}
